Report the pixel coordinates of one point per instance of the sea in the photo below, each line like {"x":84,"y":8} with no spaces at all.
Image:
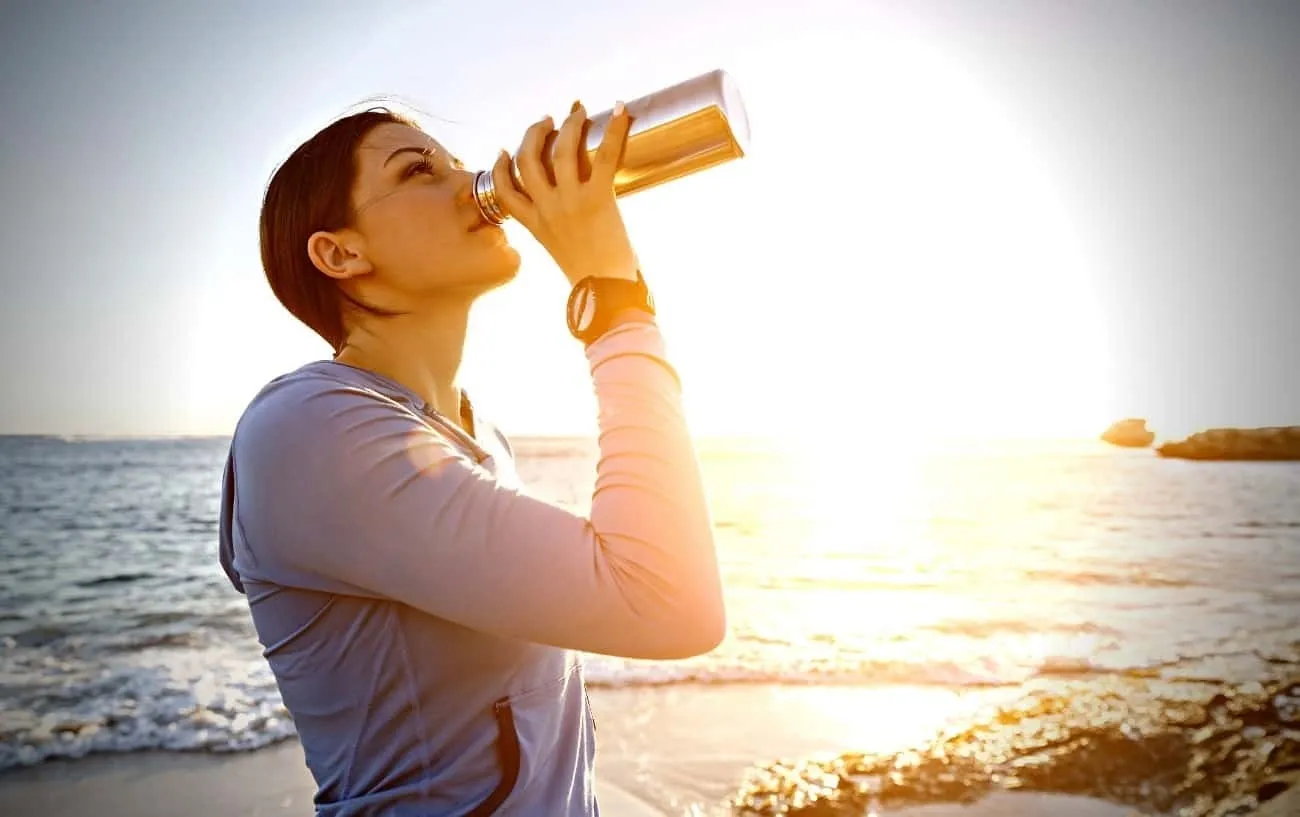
{"x":868,"y":563}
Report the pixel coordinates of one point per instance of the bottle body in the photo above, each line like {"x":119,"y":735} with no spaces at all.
{"x":674,"y":132}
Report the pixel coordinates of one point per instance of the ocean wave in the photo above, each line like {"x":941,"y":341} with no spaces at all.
{"x":605,"y":672}
{"x":1128,"y":577}
{"x":997,"y":627}
{"x":194,"y":700}
{"x":228,"y":706}
{"x":117,"y":578}
{"x":944,"y":674}
{"x":1120,"y":577}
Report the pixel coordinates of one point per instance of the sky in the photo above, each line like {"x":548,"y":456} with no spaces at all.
{"x":978,"y":219}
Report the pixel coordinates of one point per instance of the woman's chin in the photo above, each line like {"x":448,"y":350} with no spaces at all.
{"x":480,"y":270}
{"x":511,"y":262}
{"x":504,"y":268}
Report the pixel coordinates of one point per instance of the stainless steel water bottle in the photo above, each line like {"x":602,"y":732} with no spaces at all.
{"x":675,"y":132}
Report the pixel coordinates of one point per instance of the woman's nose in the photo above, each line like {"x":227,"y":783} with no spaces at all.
{"x":465,"y":188}
{"x":465,"y":182}
{"x":464,"y":197}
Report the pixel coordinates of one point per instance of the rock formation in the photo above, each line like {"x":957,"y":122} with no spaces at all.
{"x":1273,"y":443}
{"x":1196,"y":749}
{"x":1130,"y":433}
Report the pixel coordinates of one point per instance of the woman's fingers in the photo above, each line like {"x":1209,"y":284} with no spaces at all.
{"x":528,"y":159}
{"x":513,"y":201}
{"x":568,"y":144}
{"x":578,"y":222}
{"x":610,"y":152}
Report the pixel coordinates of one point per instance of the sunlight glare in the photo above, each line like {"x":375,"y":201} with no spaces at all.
{"x":940,"y":286}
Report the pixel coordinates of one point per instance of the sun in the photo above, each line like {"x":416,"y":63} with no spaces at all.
{"x":924,"y":276}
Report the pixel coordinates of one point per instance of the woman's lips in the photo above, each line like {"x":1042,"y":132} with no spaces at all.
{"x":492,"y":229}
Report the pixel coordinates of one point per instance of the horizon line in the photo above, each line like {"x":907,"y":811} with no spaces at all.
{"x":562,"y":437}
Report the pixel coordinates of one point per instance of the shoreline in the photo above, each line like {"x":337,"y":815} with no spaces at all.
{"x":660,"y":751}
{"x":678,"y":749}
{"x":273,"y":781}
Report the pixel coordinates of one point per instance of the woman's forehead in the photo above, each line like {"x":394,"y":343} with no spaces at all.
{"x":381,"y":144}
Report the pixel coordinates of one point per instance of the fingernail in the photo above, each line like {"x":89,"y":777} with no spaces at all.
{"x":619,"y":108}
{"x":575,"y":106}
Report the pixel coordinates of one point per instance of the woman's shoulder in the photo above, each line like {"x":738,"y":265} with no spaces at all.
{"x":313,"y":394}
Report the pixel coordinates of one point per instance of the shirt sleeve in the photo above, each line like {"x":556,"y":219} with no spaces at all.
{"x":341,"y":490}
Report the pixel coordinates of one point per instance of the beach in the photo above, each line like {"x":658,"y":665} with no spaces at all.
{"x":657,"y":755}
{"x":668,"y":750}
{"x":1005,"y":629}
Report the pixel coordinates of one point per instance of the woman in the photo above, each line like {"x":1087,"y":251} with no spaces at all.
{"x":421,"y":613}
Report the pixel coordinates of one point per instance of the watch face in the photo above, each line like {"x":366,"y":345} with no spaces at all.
{"x":584,"y":309}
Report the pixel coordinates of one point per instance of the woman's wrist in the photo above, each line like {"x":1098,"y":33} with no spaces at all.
{"x":631,"y":314}
{"x":624,"y":317}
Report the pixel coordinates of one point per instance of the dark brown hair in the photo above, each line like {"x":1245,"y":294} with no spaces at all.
{"x":312,"y":191}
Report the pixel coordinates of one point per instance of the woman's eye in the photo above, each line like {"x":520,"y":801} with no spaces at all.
{"x":422,"y":166}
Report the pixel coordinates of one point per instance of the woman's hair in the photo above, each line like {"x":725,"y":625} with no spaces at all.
{"x":312,"y":191}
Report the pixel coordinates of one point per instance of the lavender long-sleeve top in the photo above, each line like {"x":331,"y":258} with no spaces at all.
{"x":422,"y":614}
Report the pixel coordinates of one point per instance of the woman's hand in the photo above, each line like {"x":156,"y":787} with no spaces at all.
{"x":577,"y":220}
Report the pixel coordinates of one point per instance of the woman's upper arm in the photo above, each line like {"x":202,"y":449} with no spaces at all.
{"x":345,"y":485}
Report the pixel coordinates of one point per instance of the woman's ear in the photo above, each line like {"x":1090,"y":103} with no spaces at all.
{"x":337,"y":255}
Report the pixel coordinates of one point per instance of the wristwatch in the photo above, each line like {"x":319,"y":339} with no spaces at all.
{"x":595,"y":301}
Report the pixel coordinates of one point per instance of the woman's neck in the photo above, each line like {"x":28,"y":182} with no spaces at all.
{"x":422,"y":351}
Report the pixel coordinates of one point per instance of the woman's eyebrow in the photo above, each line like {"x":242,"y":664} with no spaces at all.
{"x":425,"y":151}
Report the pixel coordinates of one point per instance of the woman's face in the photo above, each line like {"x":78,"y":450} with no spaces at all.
{"x":416,"y":231}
